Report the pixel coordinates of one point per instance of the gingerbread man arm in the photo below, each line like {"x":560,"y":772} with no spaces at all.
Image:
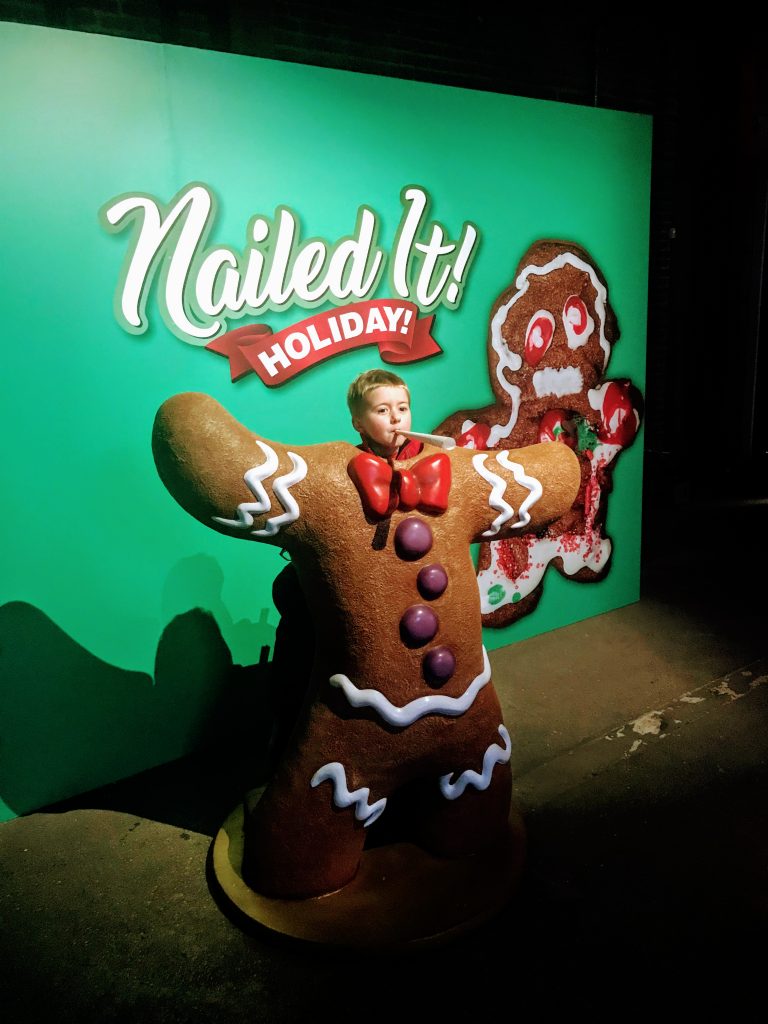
{"x":512,"y":492}
{"x":227,"y":477}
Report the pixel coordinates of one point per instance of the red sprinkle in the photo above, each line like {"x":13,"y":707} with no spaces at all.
{"x":512,"y":557}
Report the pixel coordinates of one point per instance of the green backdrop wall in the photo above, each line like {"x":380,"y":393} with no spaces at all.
{"x":120,"y":613}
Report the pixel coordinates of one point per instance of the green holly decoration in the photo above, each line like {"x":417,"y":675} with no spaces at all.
{"x":496,"y":594}
{"x":586,"y":438}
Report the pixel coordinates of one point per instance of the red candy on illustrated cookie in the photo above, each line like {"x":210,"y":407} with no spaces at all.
{"x":549,"y":342}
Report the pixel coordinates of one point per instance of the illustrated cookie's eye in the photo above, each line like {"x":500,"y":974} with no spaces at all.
{"x":538,"y":336}
{"x":577,"y":322}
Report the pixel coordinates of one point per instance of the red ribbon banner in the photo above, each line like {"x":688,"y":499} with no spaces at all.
{"x":392,"y":324}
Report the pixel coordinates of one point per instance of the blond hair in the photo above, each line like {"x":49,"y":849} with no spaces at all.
{"x":366,"y":382}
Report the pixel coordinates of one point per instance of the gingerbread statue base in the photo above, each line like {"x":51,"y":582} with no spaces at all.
{"x":401,"y":897}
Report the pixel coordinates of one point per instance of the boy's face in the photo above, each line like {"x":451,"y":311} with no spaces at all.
{"x":387,"y":411}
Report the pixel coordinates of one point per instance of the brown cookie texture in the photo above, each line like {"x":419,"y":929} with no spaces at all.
{"x":550,"y":337}
{"x":399,"y":692}
{"x":550,"y":293}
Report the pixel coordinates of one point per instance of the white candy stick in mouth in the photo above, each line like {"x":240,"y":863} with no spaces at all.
{"x":437,"y":439}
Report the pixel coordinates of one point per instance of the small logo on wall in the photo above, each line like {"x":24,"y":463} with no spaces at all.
{"x":199,"y":288}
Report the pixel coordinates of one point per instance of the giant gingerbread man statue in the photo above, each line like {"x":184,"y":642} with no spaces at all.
{"x":401,"y":696}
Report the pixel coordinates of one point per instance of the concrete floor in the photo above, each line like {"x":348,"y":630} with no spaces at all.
{"x":641,"y":762}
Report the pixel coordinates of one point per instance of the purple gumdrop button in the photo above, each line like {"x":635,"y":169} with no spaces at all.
{"x":432,"y":581}
{"x":413,"y":538}
{"x":418,"y":625}
{"x":439,"y":665}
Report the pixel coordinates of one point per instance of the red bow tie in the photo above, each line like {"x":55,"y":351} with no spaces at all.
{"x":383,"y":489}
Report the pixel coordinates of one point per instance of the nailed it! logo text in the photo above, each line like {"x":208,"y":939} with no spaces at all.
{"x":200,"y":287}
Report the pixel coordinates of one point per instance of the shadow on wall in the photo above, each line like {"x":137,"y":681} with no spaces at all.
{"x":70,"y":722}
{"x":197,"y":581}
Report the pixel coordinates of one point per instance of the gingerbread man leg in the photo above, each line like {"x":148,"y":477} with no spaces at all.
{"x":470,"y":822}
{"x":464,"y":807}
{"x":306,"y":834}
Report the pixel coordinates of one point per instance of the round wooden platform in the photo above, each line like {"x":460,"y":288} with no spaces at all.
{"x":400,"y":897}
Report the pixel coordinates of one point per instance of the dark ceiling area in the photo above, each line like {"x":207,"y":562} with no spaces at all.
{"x":707,"y":89}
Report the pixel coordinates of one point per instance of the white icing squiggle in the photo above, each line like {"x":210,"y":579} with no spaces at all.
{"x":281,"y":488}
{"x":512,"y":361}
{"x":530,"y":482}
{"x":496,"y":498}
{"x":335,"y":774}
{"x":253,"y":478}
{"x":507,"y":360}
{"x":478,"y":780}
{"x":558,"y":382}
{"x":434,"y":704}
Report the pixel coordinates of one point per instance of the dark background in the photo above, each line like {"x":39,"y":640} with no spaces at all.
{"x":646,"y":882}
{"x":706,"y":87}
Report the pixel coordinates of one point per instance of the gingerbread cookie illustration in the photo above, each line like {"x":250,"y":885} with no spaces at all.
{"x":402,"y":705}
{"x":549,"y":342}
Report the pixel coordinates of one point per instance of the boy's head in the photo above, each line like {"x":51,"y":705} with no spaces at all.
{"x":380,"y":405}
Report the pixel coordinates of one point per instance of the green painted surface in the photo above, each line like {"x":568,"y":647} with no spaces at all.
{"x":94,"y":550}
